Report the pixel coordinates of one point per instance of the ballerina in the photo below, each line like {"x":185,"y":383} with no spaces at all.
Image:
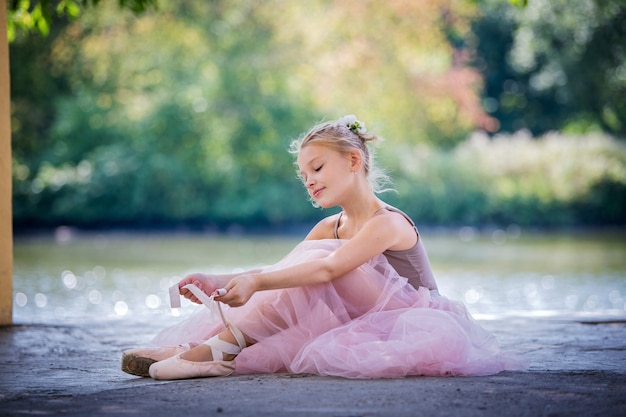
{"x":357,"y":298}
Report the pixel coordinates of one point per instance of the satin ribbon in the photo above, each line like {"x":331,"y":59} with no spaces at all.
{"x":210,"y":303}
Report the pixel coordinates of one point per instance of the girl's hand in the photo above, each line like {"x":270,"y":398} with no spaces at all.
{"x":206,"y":283}
{"x":240,"y":289}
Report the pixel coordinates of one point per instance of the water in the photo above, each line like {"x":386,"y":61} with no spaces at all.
{"x":81,"y":278}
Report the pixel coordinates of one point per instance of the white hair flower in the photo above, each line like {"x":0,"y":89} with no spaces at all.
{"x":352,"y":123}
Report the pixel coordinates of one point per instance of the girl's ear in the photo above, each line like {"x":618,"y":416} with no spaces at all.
{"x":355,"y":160}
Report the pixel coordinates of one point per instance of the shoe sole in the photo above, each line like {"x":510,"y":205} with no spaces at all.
{"x":136,"y":365}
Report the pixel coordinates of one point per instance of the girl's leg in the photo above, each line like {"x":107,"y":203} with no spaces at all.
{"x":213,"y":358}
{"x":203,"y":352}
{"x":138,"y":361}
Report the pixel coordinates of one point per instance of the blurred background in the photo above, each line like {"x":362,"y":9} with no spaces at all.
{"x":504,"y":126}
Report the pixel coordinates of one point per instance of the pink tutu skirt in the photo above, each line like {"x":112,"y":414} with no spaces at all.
{"x":369,"y":323}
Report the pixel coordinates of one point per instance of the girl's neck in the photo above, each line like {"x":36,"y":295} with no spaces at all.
{"x":361,"y":210}
{"x":356,"y":214}
{"x":360,"y":203}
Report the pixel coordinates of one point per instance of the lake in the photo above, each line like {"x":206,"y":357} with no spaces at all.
{"x":77,"y":277}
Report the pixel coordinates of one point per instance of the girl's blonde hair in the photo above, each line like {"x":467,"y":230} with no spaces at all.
{"x":342,"y":139}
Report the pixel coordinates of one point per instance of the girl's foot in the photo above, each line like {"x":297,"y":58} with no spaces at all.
{"x":138,"y":361}
{"x":213,"y":358}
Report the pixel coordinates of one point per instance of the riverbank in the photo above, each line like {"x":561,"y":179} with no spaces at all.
{"x":577,"y":367}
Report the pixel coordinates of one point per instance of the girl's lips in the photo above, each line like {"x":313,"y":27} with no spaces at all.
{"x":316,"y":192}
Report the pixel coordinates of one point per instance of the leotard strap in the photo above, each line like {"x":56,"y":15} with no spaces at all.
{"x":390,"y":208}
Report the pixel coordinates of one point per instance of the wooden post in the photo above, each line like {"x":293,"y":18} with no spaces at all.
{"x":6,"y":217}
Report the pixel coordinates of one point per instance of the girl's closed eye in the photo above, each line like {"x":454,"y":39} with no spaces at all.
{"x":318,"y":168}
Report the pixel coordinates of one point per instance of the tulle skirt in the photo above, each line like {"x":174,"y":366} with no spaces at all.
{"x":369,"y":323}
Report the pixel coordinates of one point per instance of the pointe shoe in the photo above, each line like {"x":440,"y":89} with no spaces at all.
{"x":179,"y":368}
{"x":138,"y":361}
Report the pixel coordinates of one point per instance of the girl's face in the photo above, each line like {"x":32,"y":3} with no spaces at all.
{"x":326,"y":173}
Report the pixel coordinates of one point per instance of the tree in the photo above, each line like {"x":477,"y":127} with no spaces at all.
{"x":185,"y":115}
{"x":554,"y":65}
{"x":26,"y":16}
{"x":189,"y":124}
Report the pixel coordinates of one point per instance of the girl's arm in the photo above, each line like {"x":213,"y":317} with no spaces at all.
{"x":377,"y":235}
{"x":208,"y":283}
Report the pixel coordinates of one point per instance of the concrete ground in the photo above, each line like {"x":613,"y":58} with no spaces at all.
{"x":578,"y":368}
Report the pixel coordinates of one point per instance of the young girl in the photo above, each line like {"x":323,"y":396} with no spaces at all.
{"x":356,"y":299}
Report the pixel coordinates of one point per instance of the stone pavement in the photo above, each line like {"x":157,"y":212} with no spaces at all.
{"x":578,"y":368}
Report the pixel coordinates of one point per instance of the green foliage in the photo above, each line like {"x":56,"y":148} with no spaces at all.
{"x":28,"y":16}
{"x":519,"y":3}
{"x":136,"y":141}
{"x":554,"y":180}
{"x":554,"y":65}
{"x":183,"y":116}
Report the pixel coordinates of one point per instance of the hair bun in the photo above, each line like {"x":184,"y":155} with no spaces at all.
{"x":352,"y":123}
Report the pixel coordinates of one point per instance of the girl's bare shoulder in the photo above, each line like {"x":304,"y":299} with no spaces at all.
{"x":324,"y":229}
